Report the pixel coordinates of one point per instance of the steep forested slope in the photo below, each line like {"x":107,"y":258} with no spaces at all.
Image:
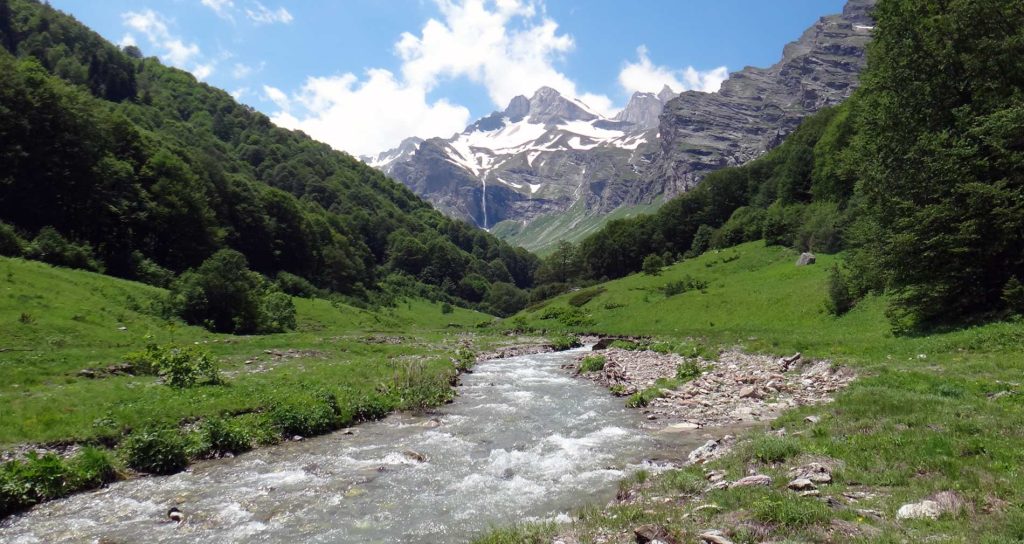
{"x":153,"y":171}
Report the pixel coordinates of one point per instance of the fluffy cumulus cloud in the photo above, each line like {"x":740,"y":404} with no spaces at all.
{"x":507,"y":46}
{"x":172,"y":48}
{"x":364,"y":116}
{"x":644,"y":76}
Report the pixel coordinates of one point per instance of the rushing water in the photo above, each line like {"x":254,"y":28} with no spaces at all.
{"x":524,"y":440}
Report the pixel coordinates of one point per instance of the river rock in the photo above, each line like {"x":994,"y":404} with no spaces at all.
{"x":815,"y":472}
{"x":755,"y":480}
{"x":705,"y":453}
{"x":653,"y":534}
{"x":415,"y":456}
{"x":805,"y":259}
{"x":801,"y":484}
{"x":919,"y":510}
{"x":714,"y":537}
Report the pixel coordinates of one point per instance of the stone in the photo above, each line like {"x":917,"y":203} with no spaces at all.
{"x":805,"y":259}
{"x":755,"y":480}
{"x":653,"y":534}
{"x":801,"y":484}
{"x":747,"y":392}
{"x":704,"y":453}
{"x":715,"y":475}
{"x":815,"y":472}
{"x":415,"y":456}
{"x":925,"y":509}
{"x":812,"y":419}
{"x":297,"y":438}
{"x":680,"y":427}
{"x":714,"y":537}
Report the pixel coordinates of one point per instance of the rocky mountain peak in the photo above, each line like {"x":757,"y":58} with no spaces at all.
{"x":642,"y":110}
{"x":549,"y":107}
{"x":666,"y":93}
{"x":517,"y":108}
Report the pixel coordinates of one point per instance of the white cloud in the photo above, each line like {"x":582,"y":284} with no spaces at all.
{"x":173,"y":49}
{"x":238,"y":93}
{"x":221,"y":7}
{"x":506,"y":46}
{"x":644,"y":76}
{"x":263,"y":15}
{"x":364,"y":117}
{"x":241,"y":70}
{"x":128,"y":40}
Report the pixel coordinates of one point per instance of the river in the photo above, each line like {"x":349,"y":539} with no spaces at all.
{"x":523,"y":440}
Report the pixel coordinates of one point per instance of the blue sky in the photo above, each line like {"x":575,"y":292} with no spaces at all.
{"x":363,"y":74}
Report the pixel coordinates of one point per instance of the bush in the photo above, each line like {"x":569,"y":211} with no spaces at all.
{"x":653,"y":264}
{"x":11,"y":245}
{"x":628,"y":345}
{"x":220,"y":436}
{"x":701,"y":241}
{"x":310,"y":415}
{"x":446,"y":308}
{"x":92,"y":467}
{"x":565,"y":341}
{"x":147,"y":271}
{"x":820,"y":228}
{"x":180,"y":367}
{"x":746,"y":224}
{"x":156,"y":449}
{"x":688,"y":283}
{"x":584,"y":296}
{"x":297,"y":286}
{"x":464,"y":359}
{"x":504,"y":299}
{"x":689,"y":370}
{"x":1013,"y":295}
{"x":643,"y":398}
{"x":840,"y":300}
{"x":40,"y":478}
{"x":277,"y":312}
{"x":50,"y":247}
{"x":592,"y":363}
{"x":570,"y":317}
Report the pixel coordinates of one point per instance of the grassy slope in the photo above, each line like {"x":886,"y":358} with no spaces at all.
{"x":543,"y":234}
{"x":55,"y":322}
{"x":924,"y":416}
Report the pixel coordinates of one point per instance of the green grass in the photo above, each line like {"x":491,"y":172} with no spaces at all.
{"x":929,"y":413}
{"x":543,"y":233}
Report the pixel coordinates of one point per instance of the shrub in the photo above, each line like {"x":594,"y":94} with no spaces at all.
{"x":570,"y":317}
{"x":689,"y":370}
{"x":11,"y":245}
{"x":155,"y":449}
{"x":504,"y":299}
{"x":688,"y":283}
{"x":565,"y":341}
{"x":820,"y":228}
{"x":92,"y":467}
{"x":310,"y":415}
{"x":643,"y":398}
{"x":1013,"y":295}
{"x":840,"y":300}
{"x":584,"y":296}
{"x":148,"y":271}
{"x":628,"y":345}
{"x":592,"y":363}
{"x":701,"y":241}
{"x":277,"y":312}
{"x":50,"y":247}
{"x":180,"y":367}
{"x":653,"y":264}
{"x":297,"y":286}
{"x":744,"y":225}
{"x":446,"y":308}
{"x":464,"y":359}
{"x":220,"y":436}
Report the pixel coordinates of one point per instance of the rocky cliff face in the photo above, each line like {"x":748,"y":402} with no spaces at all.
{"x":546,"y":155}
{"x":756,"y":108}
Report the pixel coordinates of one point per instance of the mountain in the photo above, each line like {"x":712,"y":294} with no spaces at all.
{"x":756,"y":108}
{"x":112,"y":161}
{"x":549,"y":168}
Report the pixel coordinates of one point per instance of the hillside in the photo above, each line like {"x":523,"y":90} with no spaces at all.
{"x":927,"y":414}
{"x":151,"y":172}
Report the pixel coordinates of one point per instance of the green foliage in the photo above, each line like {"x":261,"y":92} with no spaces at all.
{"x":180,"y":367}
{"x":155,"y":449}
{"x":628,"y":345}
{"x":1013,"y":295}
{"x":773,"y":449}
{"x":582,"y":297}
{"x":221,"y":436}
{"x":464,"y":358}
{"x":689,"y":370}
{"x":840,"y":300}
{"x":504,"y":299}
{"x":688,"y":283}
{"x":701,"y":241}
{"x":567,"y":316}
{"x":297,"y":286}
{"x":592,"y":363}
{"x":653,"y":264}
{"x":11,"y":244}
{"x":790,"y":511}
{"x":746,"y":224}
{"x":225,"y":296}
{"x":39,"y":478}
{"x":643,"y":398}
{"x":50,"y":247}
{"x":446,"y":308}
{"x":306,"y":415}
{"x":565,"y":341}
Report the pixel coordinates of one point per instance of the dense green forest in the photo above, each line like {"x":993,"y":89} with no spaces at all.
{"x":113,"y":162}
{"x":920,"y":176}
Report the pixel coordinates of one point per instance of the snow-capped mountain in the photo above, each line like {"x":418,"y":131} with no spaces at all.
{"x":541,"y":154}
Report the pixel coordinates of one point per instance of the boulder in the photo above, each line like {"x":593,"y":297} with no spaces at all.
{"x":815,"y":472}
{"x":653,"y":534}
{"x":415,"y":456}
{"x":755,"y":480}
{"x":705,"y":453}
{"x":801,"y":484}
{"x":920,"y":510}
{"x":805,"y":259}
{"x":714,"y":537}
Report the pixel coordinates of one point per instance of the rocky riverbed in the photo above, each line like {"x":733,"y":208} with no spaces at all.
{"x":737,"y":388}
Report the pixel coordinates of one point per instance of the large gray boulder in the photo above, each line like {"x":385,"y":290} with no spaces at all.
{"x":805,"y":259}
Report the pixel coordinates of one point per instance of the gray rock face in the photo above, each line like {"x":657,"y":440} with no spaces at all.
{"x":757,"y":107}
{"x":549,"y":156}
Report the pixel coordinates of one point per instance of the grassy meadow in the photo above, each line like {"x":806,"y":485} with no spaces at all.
{"x":930,"y":413}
